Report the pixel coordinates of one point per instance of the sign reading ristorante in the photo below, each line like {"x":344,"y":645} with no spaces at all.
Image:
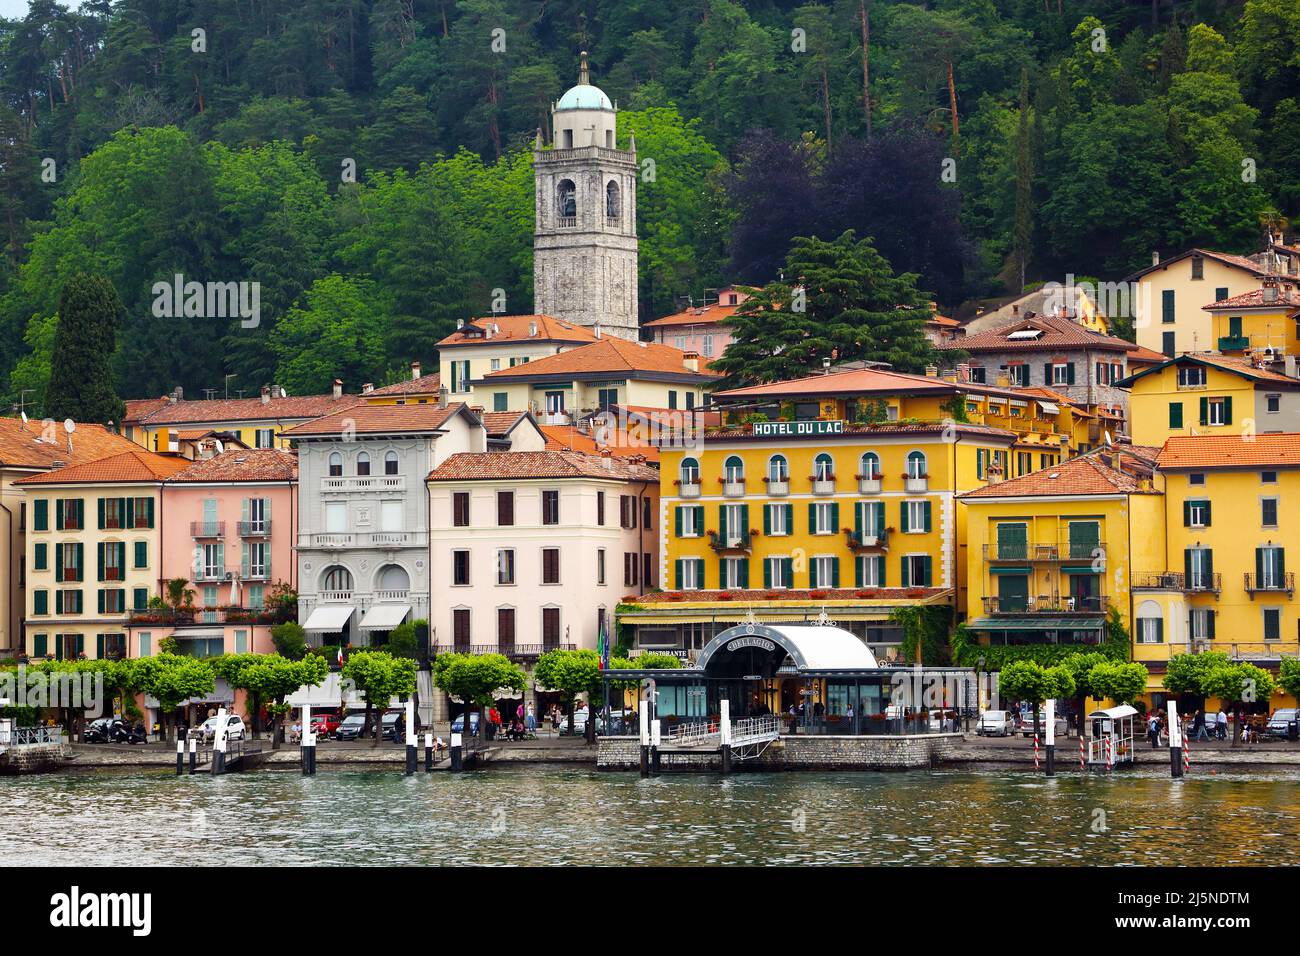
{"x":815,"y":427}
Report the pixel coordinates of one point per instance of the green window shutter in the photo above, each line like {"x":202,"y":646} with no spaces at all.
{"x":859,"y":516}
{"x":835,"y":572}
{"x":677,"y":520}
{"x":148,"y":510}
{"x":767,"y":519}
{"x":79,"y":554}
{"x":41,"y":602}
{"x":880,"y":516}
{"x":859,"y":565}
{"x":1209,"y":561}
{"x":1227,"y":410}
{"x":100,"y":600}
{"x":744,"y":573}
{"x":241,"y":642}
{"x":812,"y":517}
{"x":1206,"y":502}
{"x":221,"y":557}
{"x":906,"y":572}
{"x":146,"y":644}
{"x":100,"y":503}
{"x":243,"y":561}
{"x":1210,"y":616}
{"x":40,"y":645}
{"x":1167,"y":305}
{"x":1069,"y":373}
{"x":58,"y":561}
{"x":1259,"y":565}
{"x":767,"y":573}
{"x":835,"y":517}
{"x":927,"y":515}
{"x":744,"y":520}
{"x":243,"y":511}
{"x":789,"y":518}
{"x":140,"y":599}
{"x":1220,"y":293}
{"x":142,"y":554}
{"x":1187,"y":514}
{"x":81,"y":644}
{"x":928,"y":562}
{"x":722,"y":522}
{"x":788,"y":570}
{"x":1187,"y":566}
{"x":40,"y":556}
{"x":1160,"y":630}
{"x":41,"y":514}
{"x":1281,"y":559}
{"x":128,"y":509}
{"x":1205,"y":410}
{"x":58,"y":602}
{"x":812,"y":574}
{"x":979,"y":463}
{"x":99,"y":558}
{"x":880,"y":570}
{"x":677,"y":571}
{"x":902,"y":517}
{"x":266,"y":509}
{"x":58,"y":522}
{"x":1175,"y":414}
{"x":99,"y":645}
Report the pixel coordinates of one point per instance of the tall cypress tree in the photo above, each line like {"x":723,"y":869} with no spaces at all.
{"x":81,"y":384}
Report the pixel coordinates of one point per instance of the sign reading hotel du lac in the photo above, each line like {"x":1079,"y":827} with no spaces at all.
{"x":780,"y":429}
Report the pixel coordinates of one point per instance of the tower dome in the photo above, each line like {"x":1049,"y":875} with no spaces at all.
{"x":584,"y":96}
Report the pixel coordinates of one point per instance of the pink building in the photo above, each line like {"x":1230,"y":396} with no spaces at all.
{"x":699,"y":328}
{"x":228,"y":525}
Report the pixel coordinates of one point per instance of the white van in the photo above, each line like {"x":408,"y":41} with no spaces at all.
{"x":996,"y":723}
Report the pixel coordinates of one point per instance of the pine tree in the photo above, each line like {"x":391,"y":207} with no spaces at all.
{"x":1024,"y":224}
{"x":81,"y":384}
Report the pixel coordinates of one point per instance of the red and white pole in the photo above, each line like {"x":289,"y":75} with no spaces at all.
{"x":1083,"y":763}
{"x":1110,"y":760}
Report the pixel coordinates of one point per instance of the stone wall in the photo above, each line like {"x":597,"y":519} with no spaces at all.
{"x":799,"y":753}
{"x":32,"y":758}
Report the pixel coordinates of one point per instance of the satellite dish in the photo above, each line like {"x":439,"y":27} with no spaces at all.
{"x":1107,"y":434}
{"x":24,"y":414}
{"x":69,"y":425}
{"x":221,"y":448}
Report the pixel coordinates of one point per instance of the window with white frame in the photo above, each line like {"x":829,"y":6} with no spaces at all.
{"x":733,"y":573}
{"x":778,"y":469}
{"x":869,"y":466}
{"x":692,"y":574}
{"x":916,"y":513}
{"x":778,"y":572}
{"x":823,"y":518}
{"x":916,"y":464}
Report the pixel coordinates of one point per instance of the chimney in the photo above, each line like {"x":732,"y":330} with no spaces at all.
{"x":532,"y":330}
{"x":367,"y":388}
{"x":460,"y":323}
{"x":607,"y":458}
{"x":442,"y":397}
{"x":338,"y":388}
{"x":266,"y":394}
{"x":1155,"y":257}
{"x":1015,"y":310}
{"x":415,"y":371}
{"x":597,"y":330}
{"x":692,"y":361}
{"x":932,"y":371}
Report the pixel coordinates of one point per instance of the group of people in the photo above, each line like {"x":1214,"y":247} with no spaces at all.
{"x":1205,"y":725}
{"x":520,"y":726}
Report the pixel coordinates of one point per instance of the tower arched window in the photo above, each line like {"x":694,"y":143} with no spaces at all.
{"x":613,"y":206}
{"x":336,"y":578}
{"x":390,"y":463}
{"x":566,"y":202}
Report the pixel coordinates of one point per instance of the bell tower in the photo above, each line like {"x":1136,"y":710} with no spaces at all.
{"x":584,"y":242}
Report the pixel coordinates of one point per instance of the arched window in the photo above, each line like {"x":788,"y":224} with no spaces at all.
{"x":363,"y":464}
{"x":778,"y":469}
{"x":870,"y":466}
{"x":390,"y":463}
{"x":823,"y":468}
{"x":1150,"y":623}
{"x":916,"y":464}
{"x":733,"y":469}
{"x":690,"y":471}
{"x":392,"y":577}
{"x":612,"y":206}
{"x":566,"y":201}
{"x":336,"y":578}
{"x":336,"y":465}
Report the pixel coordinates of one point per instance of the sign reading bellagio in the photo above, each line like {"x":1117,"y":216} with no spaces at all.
{"x":761,"y":643}
{"x":816,"y":427}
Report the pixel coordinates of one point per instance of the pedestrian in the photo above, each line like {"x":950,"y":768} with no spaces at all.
{"x":1153,"y":730}
{"x":1221,"y":725}
{"x":531,"y":721}
{"x":1198,"y":727}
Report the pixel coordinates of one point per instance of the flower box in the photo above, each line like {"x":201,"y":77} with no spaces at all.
{"x":819,"y":594}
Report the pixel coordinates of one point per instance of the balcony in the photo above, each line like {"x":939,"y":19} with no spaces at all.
{"x":1048,"y":604}
{"x":689,"y":489}
{"x":823,"y":486}
{"x":868,"y":486}
{"x":733,"y":487}
{"x":516,"y":652}
{"x":778,"y":489}
{"x":334,"y":597}
{"x":1046,"y":552}
{"x":207,"y":529}
{"x":859,"y":541}
{"x":366,"y":483}
{"x":732,"y":543}
{"x":1233,"y":343}
{"x":916,"y":486}
{"x":1248,"y":651}
{"x":364,"y":539}
{"x":1275,"y":583}
{"x":254,"y":529}
{"x":210,"y":575}
{"x":1158,"y":581}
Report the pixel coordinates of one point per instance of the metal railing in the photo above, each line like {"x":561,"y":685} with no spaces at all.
{"x":513,"y":651}
{"x":1045,"y":551}
{"x":207,"y":529}
{"x":864,"y":541}
{"x":749,"y":730}
{"x":1238,"y":650}
{"x":1275,"y":581}
{"x":254,"y":529}
{"x":19,"y":736}
{"x":740,"y":542}
{"x":1048,"y":604}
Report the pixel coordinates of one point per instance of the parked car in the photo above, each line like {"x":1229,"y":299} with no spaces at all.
{"x":458,"y":725}
{"x":393,"y":725}
{"x":207,"y":731}
{"x":350,"y":727}
{"x":1277,"y":724}
{"x":1027,"y":724}
{"x":324,"y":725}
{"x":996,"y":723}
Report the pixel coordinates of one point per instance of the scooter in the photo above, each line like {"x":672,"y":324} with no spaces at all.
{"x":121,"y":733}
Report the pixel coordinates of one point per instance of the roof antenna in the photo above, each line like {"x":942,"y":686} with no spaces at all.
{"x":69,"y":426}
{"x":584,"y":76}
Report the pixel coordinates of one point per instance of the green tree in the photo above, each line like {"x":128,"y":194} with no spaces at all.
{"x":1123,"y":682}
{"x":473,"y":679}
{"x":1187,"y":673}
{"x":336,"y":333}
{"x":402,"y":641}
{"x":1239,"y":684}
{"x":379,"y":677}
{"x":170,"y":679}
{"x":81,"y":384}
{"x":1031,"y":682}
{"x":273,"y":678}
{"x":572,"y":673}
{"x":841,"y":301}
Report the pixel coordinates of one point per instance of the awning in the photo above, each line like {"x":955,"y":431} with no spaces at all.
{"x":385,"y":617}
{"x":222,"y":693}
{"x":1036,"y":622}
{"x":199,"y":634}
{"x":1011,"y":570}
{"x":812,"y":647}
{"x":1079,"y":569}
{"x":328,"y":618}
{"x":1050,"y":407}
{"x":329,"y":693}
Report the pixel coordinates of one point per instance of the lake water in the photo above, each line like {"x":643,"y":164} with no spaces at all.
{"x":555,"y":815}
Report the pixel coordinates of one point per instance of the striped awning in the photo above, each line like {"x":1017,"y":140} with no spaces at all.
{"x":1036,"y":622}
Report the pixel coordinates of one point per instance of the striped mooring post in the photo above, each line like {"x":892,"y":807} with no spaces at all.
{"x":180,"y":756}
{"x":428,"y":753}
{"x":194,"y":755}
{"x":1175,"y":742}
{"x":1083,"y":763}
{"x":1051,"y":738}
{"x":1110,"y":760}
{"x":1035,"y":751}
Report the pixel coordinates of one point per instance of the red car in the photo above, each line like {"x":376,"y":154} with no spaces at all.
{"x":324,"y":725}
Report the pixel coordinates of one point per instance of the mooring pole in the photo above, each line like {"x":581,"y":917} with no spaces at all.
{"x":655,"y":740}
{"x":194,"y":754}
{"x":644,"y":714}
{"x":1051,"y":738}
{"x":455,"y":751}
{"x":1175,"y":742}
{"x":180,"y":756}
{"x":411,"y":738}
{"x":219,"y":744}
{"x":724,"y":733}
{"x":428,"y":752}
{"x":307,"y":743}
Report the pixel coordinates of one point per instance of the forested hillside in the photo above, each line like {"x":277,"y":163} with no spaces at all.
{"x":368,"y":162}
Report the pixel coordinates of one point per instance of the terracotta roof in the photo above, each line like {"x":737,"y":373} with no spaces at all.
{"x":1140,"y":353}
{"x":1280,"y":450}
{"x":515,"y":328}
{"x":516,"y":465}
{"x":1056,"y":334}
{"x":1229,"y":363}
{"x":378,"y":420}
{"x":1287,"y":298}
{"x":942,"y":320}
{"x":141,"y":408}
{"x":568,"y":438}
{"x":137,"y":465}
{"x":1085,"y":475}
{"x":424,"y":385}
{"x":219,"y":410}
{"x":21,"y":446}
{"x":1227,"y":258}
{"x":703,"y":315}
{"x":244,"y":464}
{"x":883,"y":428}
{"x":608,"y":355}
{"x":856,"y":381}
{"x":1051,"y":394}
{"x":500,"y":423}
{"x":788,"y":594}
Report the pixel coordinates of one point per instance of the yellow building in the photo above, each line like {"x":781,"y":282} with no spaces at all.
{"x":498,"y":342}
{"x":419,"y":389}
{"x":92,"y":553}
{"x":1050,"y":553}
{"x":1210,"y":394}
{"x":1169,"y":297}
{"x":1259,"y":322}
{"x":612,"y":371}
{"x":1224,"y":583}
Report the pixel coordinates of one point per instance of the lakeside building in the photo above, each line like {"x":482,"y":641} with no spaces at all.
{"x":533,"y":551}
{"x":362,"y":543}
{"x":498,"y":342}
{"x":93,"y":553}
{"x":154,"y":424}
{"x":419,"y":389}
{"x":1261,"y":322}
{"x":700,"y":328}
{"x":227,"y":532}
{"x":1076,"y":303}
{"x":30,"y":448}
